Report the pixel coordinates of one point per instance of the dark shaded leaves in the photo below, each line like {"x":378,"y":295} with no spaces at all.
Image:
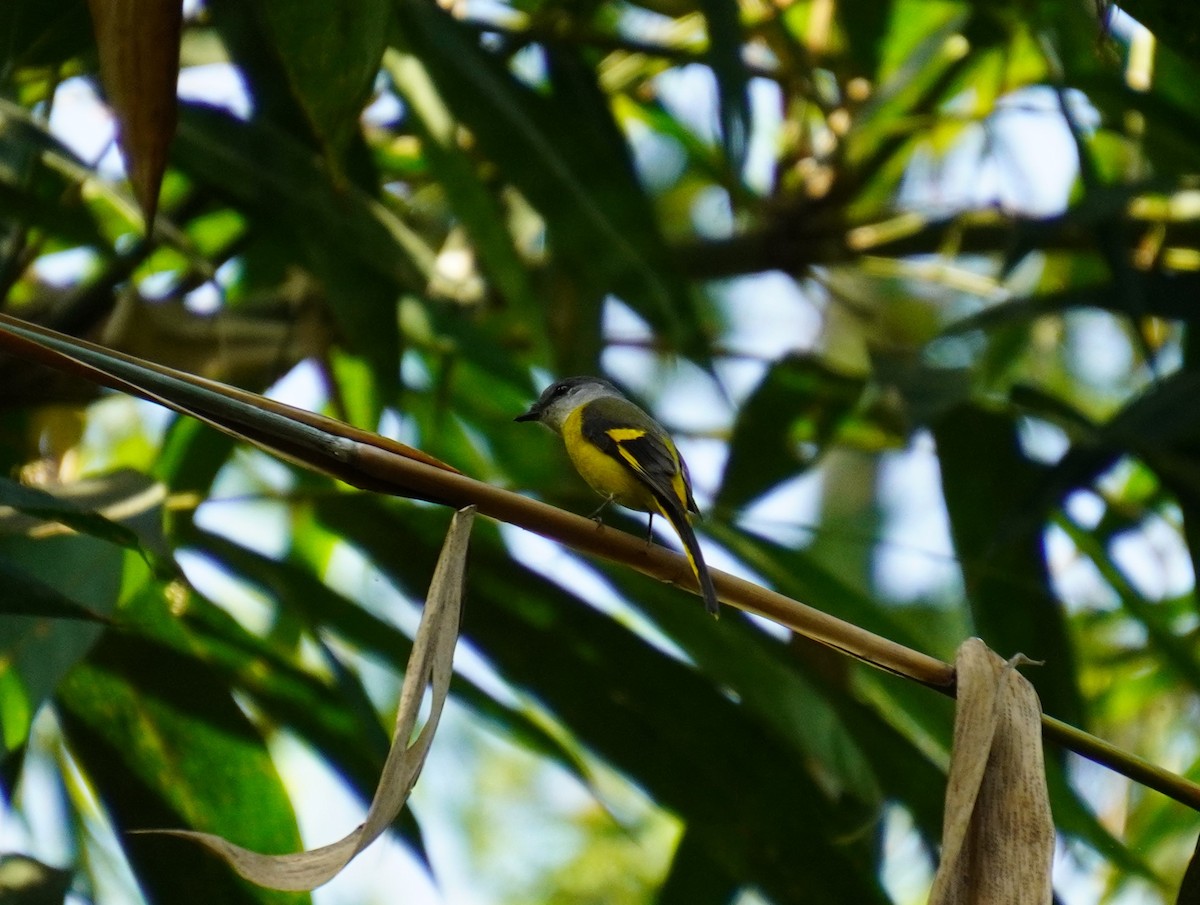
{"x":997,"y":532}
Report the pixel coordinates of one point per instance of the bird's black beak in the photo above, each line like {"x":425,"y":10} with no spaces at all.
{"x":532,"y":415}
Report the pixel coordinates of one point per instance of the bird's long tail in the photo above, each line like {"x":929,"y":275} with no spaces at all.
{"x":691,"y":547}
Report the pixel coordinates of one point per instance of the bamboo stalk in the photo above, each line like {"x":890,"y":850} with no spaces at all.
{"x":377,"y":464}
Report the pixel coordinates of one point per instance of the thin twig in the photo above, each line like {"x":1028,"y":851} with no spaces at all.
{"x":607,"y":41}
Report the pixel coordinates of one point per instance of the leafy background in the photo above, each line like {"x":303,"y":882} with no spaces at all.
{"x":910,"y":281}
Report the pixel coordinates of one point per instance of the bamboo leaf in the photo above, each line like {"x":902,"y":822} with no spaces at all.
{"x":56,"y":591}
{"x":163,"y":742}
{"x":784,"y":425}
{"x":695,"y":878}
{"x":725,"y":39}
{"x":997,"y":533}
{"x":43,"y":505}
{"x":566,"y":155}
{"x":458,"y":177}
{"x":360,"y":250}
{"x":326,"y":610}
{"x":659,"y":721}
{"x":431,"y":666}
{"x":138,"y":41}
{"x":330,"y":53}
{"x":37,"y":34}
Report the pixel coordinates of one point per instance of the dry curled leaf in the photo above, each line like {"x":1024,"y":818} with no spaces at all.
{"x":998,"y":833}
{"x":430,"y":665}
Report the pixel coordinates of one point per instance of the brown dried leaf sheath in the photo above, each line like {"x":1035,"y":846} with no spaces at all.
{"x":998,"y":833}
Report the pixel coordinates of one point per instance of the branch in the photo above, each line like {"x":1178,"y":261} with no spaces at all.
{"x":809,"y":237}
{"x":567,"y":31}
{"x":375,"y":463}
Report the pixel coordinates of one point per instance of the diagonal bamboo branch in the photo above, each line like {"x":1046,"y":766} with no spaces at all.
{"x":375,"y":463}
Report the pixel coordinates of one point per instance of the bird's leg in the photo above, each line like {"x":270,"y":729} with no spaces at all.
{"x":595,"y":516}
{"x":650,"y":530}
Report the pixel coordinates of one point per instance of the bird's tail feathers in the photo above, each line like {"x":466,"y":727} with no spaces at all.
{"x":674,"y":513}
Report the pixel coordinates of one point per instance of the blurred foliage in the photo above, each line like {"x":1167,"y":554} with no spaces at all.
{"x":835,"y":246}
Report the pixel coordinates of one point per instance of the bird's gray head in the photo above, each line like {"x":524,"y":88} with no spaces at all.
{"x":560,"y":399}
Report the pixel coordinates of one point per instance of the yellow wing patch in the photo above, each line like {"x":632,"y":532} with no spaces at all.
{"x":625,"y":433}
{"x":678,"y":486}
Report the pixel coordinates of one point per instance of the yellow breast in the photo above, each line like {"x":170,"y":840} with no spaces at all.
{"x":606,"y":475}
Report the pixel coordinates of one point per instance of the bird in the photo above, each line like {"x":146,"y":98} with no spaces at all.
{"x":627,"y":457}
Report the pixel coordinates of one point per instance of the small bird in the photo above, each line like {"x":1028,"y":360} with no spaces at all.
{"x":626,"y":456}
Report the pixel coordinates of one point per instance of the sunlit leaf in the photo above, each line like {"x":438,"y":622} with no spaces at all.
{"x":165,"y":743}
{"x":562,"y":151}
{"x":539,"y":636}
{"x":431,"y":666}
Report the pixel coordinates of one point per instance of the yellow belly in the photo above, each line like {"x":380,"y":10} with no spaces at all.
{"x":607,"y":476}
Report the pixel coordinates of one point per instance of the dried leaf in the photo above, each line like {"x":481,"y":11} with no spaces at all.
{"x":998,"y":834}
{"x":138,"y":43}
{"x":431,"y":665}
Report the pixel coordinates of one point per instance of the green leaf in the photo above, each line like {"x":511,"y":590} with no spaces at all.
{"x":1160,"y":426}
{"x":563,"y":151}
{"x":37,"y":502}
{"x":24,"y":595}
{"x":1170,"y":295}
{"x":362,"y":253}
{"x":192,"y":454}
{"x":799,"y":576}
{"x":771,"y":682}
{"x":330,"y":53}
{"x":695,"y":878}
{"x":37,"y":34}
{"x":429,"y":670}
{"x":36,"y":203}
{"x":999,"y":541}
{"x":166,"y":745}
{"x":457,"y":176}
{"x":325,"y":610}
{"x":1076,"y":819}
{"x":657,"y":720}
{"x":55,"y":590}
{"x":332,"y":718}
{"x":725,"y":38}
{"x":784,"y":425}
{"x":866,"y":26}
